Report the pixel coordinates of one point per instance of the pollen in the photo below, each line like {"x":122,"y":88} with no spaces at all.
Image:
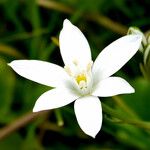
{"x":80,"y":78}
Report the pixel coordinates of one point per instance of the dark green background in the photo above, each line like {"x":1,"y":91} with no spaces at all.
{"x":26,"y":31}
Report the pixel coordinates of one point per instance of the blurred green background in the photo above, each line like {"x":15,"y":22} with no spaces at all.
{"x":29,"y":30}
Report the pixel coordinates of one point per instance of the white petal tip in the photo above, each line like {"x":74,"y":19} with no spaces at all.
{"x":137,"y":37}
{"x":9,"y":64}
{"x":66,"y":23}
{"x":12,"y":64}
{"x":140,"y":36}
{"x":35,"y":109}
{"x":93,"y":136}
{"x":132,"y":90}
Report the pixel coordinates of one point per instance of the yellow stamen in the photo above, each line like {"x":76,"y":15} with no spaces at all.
{"x":80,"y":78}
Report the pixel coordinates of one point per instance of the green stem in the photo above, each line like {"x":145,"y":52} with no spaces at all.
{"x":114,"y":113}
{"x":142,"y":68}
{"x":59,"y":117}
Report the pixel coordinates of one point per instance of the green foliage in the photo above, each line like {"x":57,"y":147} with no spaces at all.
{"x":7,"y":85}
{"x":26,"y":29}
{"x":13,"y":142}
{"x":139,"y":101}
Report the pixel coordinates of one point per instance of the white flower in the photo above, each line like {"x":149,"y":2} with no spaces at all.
{"x":81,"y":79}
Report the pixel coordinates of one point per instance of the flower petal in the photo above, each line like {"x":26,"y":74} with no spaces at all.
{"x":89,"y":114}
{"x":73,"y":45}
{"x":112,"y":86}
{"x":115,"y":55}
{"x":54,"y":98}
{"x":39,"y":71}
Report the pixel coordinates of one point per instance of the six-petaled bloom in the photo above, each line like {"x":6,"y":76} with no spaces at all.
{"x":81,"y":80}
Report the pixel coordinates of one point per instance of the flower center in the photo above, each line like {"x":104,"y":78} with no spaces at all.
{"x":81,"y":77}
{"x":81,"y":80}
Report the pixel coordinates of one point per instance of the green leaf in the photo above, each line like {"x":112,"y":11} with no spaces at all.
{"x":7,"y":82}
{"x":12,"y":142}
{"x":139,"y":101}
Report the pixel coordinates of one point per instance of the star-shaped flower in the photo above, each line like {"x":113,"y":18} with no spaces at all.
{"x":81,"y":80}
